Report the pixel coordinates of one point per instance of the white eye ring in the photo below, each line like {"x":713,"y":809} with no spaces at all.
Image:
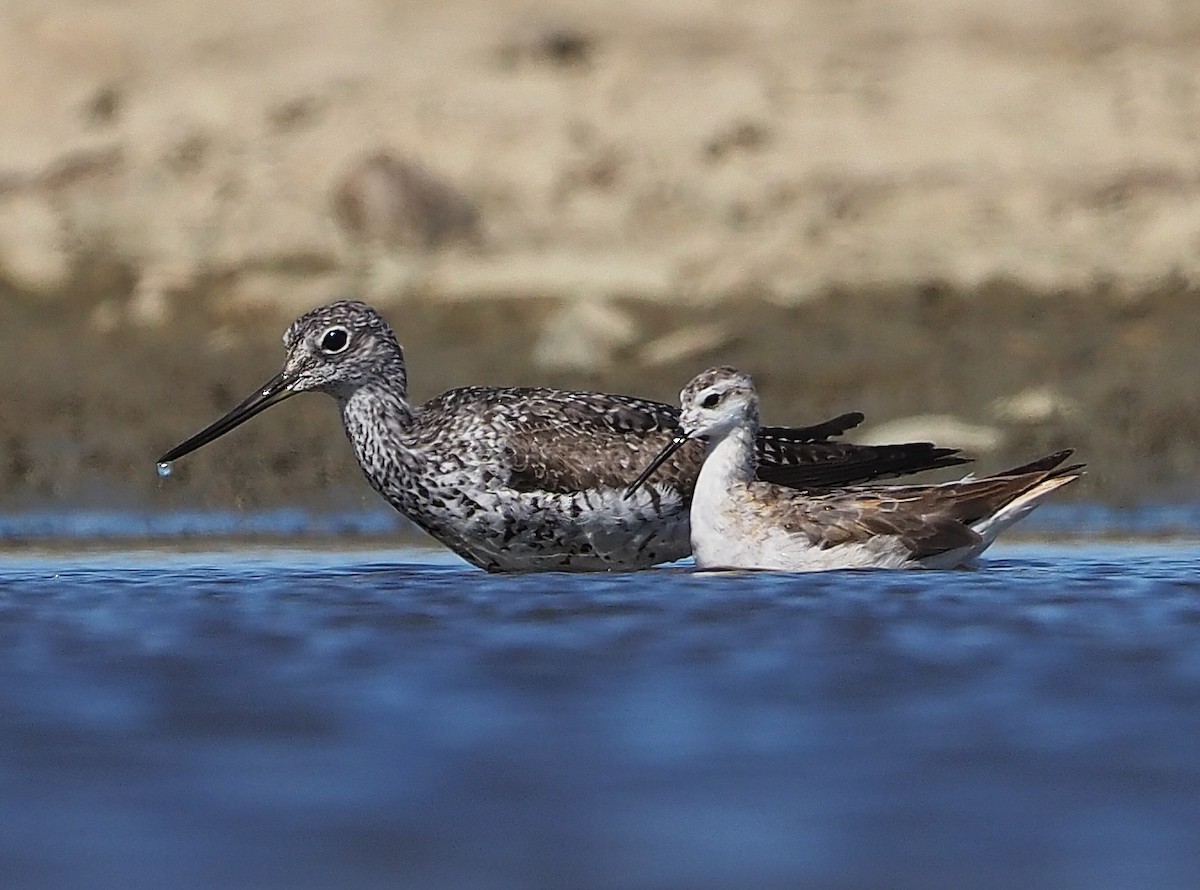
{"x":711,"y":400}
{"x":335,"y":340}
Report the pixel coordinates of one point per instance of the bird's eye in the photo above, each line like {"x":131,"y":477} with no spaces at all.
{"x":711,"y":400}
{"x":335,"y":340}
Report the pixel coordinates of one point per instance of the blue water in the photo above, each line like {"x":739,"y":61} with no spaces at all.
{"x":293,"y":719}
{"x":379,"y":521}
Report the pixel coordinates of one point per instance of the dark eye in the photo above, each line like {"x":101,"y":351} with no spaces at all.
{"x":335,"y":340}
{"x":711,"y":400}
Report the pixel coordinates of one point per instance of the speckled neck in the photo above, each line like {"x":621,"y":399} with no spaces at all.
{"x":378,"y":420}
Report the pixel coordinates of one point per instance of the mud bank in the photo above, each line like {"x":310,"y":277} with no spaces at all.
{"x":88,"y":406}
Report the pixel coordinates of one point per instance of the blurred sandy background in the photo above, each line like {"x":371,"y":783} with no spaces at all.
{"x":977,"y":222}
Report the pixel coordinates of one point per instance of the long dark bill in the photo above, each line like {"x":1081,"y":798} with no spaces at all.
{"x":270,"y":393}
{"x":677,"y":442}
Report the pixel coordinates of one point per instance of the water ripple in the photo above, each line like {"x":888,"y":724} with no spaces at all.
{"x":317,"y":719}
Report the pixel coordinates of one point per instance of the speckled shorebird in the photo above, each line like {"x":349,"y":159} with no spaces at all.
{"x":739,"y":521}
{"x":524,"y":479}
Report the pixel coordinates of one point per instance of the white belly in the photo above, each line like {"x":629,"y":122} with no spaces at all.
{"x":731,"y":529}
{"x":725,"y":541}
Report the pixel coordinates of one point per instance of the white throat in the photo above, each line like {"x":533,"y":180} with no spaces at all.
{"x":729,"y":462}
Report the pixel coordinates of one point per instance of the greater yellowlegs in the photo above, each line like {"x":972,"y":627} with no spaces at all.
{"x":739,"y":521}
{"x":524,"y":479}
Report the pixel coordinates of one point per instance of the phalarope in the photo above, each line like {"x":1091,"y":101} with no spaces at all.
{"x":739,"y":521}
{"x":524,"y":479}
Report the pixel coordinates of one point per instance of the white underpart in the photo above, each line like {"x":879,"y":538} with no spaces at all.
{"x":720,"y":536}
{"x":732,"y":529}
{"x":729,"y":531}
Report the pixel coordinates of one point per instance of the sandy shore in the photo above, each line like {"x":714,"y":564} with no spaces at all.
{"x":650,"y":149}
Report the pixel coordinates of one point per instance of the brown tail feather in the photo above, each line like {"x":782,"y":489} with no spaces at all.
{"x":973,"y":499}
{"x":998,"y":492}
{"x":1042,"y":464}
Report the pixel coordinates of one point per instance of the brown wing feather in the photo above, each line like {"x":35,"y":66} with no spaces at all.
{"x":590,"y":441}
{"x":970,"y":500}
{"x":569,"y":442}
{"x":928,"y":519}
{"x":561,"y":460}
{"x":856,"y":517}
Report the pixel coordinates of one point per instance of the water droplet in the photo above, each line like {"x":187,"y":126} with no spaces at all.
{"x":164,"y":469}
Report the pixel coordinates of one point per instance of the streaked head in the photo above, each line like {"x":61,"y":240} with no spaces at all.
{"x":336,"y":349}
{"x":714,"y":403}
{"x":340,"y":347}
{"x":717,"y":401}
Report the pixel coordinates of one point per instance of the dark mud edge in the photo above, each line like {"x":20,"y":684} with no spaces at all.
{"x":86,"y":411}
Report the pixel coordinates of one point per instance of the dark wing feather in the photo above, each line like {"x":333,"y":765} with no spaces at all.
{"x":819,"y":432}
{"x":838,"y":464}
{"x":1043,"y":464}
{"x":804,"y":458}
{"x":568,"y":442}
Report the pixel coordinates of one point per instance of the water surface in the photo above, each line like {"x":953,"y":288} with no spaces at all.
{"x":286,"y":718}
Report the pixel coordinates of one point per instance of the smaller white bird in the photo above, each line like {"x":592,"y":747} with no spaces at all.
{"x":740,"y":522}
